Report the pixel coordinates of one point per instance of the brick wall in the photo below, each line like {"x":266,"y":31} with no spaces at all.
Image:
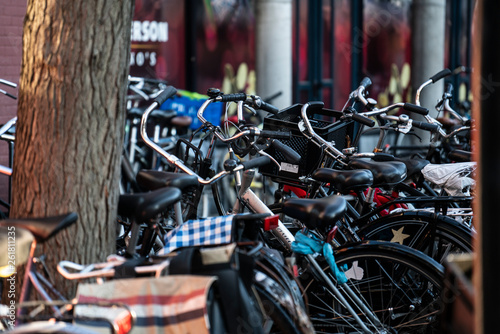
{"x":11,"y":29}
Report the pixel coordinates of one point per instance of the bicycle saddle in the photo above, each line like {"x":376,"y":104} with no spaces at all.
{"x":385,"y":174}
{"x":345,"y":181}
{"x":145,"y":206}
{"x":43,"y":228}
{"x":460,"y":156}
{"x":315,"y":213}
{"x":153,"y":179}
{"x":413,"y":166}
{"x":181,"y":121}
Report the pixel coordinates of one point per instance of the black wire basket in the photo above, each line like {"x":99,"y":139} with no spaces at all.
{"x":325,"y":122}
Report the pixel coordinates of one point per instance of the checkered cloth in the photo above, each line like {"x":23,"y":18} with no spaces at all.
{"x":203,"y":232}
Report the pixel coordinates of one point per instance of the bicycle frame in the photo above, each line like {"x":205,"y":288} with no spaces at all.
{"x":33,"y":279}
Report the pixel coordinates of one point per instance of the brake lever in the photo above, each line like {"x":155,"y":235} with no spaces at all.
{"x":252,"y":110}
{"x":405,"y":128}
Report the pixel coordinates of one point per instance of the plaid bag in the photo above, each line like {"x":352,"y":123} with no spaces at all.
{"x":170,"y":304}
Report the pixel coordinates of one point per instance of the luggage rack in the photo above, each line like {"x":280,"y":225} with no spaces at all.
{"x":74,"y":271}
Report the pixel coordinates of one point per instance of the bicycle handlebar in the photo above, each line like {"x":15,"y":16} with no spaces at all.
{"x":267,"y":107}
{"x":416,"y":109}
{"x":405,"y":106}
{"x":365,"y":83}
{"x":404,"y":119}
{"x":438,"y":76}
{"x":308,"y":126}
{"x":178,"y":163}
{"x":448,"y":89}
{"x":231,"y":97}
{"x":431,"y":127}
{"x":442,"y":74}
{"x":165,"y":95}
{"x":363,"y":120}
{"x":251,"y":100}
{"x":276,"y":134}
{"x":256,"y":162}
{"x":358,"y":93}
{"x":10,"y":84}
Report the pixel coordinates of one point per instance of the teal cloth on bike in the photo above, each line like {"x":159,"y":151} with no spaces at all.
{"x":306,"y":245}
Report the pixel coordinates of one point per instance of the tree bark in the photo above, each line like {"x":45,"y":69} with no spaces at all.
{"x":71,"y":116}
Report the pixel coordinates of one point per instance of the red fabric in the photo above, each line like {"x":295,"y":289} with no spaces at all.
{"x":380,"y":198}
{"x":301,"y":193}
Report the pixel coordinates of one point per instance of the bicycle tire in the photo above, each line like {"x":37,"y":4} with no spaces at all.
{"x":401,"y":285}
{"x":280,"y":296}
{"x":280,"y":319}
{"x":435,"y":235}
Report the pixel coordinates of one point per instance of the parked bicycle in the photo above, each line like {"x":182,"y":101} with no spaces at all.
{"x":357,"y":310}
{"x":55,"y":313}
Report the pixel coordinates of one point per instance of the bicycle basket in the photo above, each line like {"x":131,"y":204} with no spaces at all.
{"x":325,"y":122}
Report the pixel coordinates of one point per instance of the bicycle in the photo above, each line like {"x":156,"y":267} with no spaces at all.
{"x":421,"y":173}
{"x":354,"y":303}
{"x":7,"y":133}
{"x":436,"y":235}
{"x":61,"y":309}
{"x":166,"y":127}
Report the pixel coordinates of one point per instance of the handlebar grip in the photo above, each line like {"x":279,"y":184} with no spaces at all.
{"x":416,"y":109}
{"x":290,"y":155}
{"x":440,"y":75}
{"x":11,"y":96}
{"x":275,"y":134}
{"x":256,"y":162}
{"x":449,"y":89}
{"x":426,"y":126}
{"x":269,"y":108}
{"x":365,"y":83}
{"x":363,"y":120}
{"x":233,"y":97}
{"x":165,"y":95}
{"x":381,"y":156}
{"x":316,"y":104}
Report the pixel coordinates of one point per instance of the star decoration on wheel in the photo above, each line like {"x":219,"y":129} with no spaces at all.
{"x":399,"y":236}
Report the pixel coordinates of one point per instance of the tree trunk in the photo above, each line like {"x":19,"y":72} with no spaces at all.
{"x":71,"y":116}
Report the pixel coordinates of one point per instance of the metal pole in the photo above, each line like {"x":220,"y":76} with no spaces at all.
{"x":486,"y":102}
{"x":357,"y":43}
{"x":428,"y":45}
{"x":273,"y":44}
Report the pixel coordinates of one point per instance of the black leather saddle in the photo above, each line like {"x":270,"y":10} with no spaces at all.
{"x":145,"y":206}
{"x":315,"y":213}
{"x":153,"y":179}
{"x":43,"y":228}
{"x":344,"y":181}
{"x":385,"y":174}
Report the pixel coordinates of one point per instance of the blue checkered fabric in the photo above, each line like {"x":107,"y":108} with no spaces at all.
{"x":203,"y":232}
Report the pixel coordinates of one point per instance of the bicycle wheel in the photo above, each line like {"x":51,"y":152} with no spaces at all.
{"x":401,"y":286}
{"x":435,"y":235}
{"x":279,"y":320}
{"x":279,"y":294}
